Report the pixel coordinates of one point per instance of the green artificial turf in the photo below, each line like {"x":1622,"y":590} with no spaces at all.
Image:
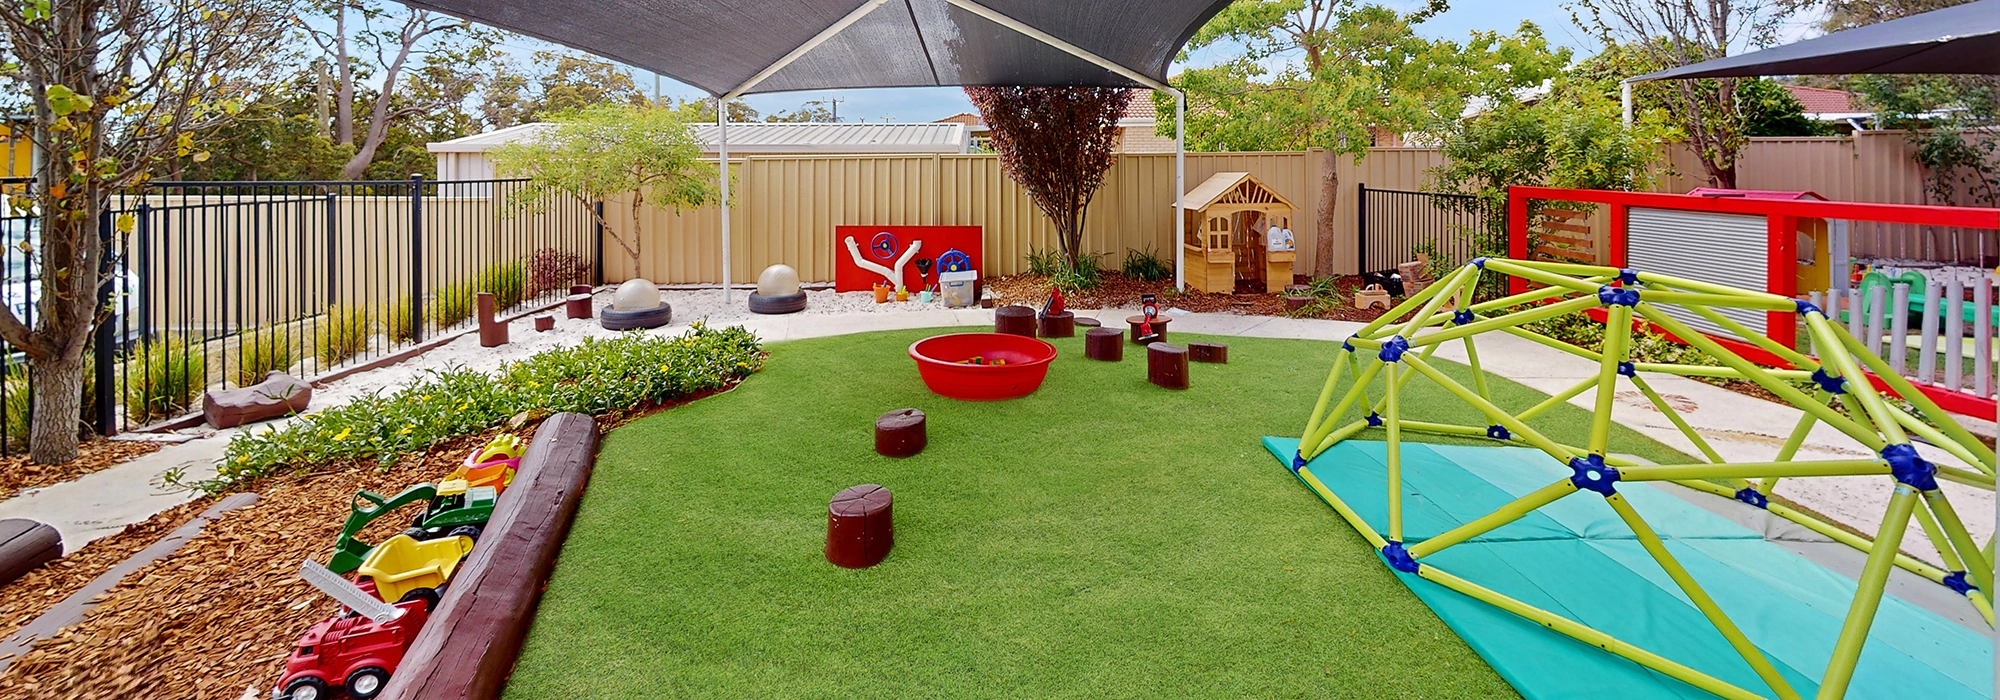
{"x":1102,"y":538}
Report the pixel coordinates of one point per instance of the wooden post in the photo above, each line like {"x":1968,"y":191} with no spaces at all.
{"x":577,"y":304}
{"x":1107,"y":344}
{"x":1217,"y":353}
{"x":1167,"y":365}
{"x":860,"y":526}
{"x":544,"y":324}
{"x":1018,"y":320}
{"x":1138,"y":322}
{"x":492,"y":334}
{"x":900,"y":433}
{"x":1062,"y":325}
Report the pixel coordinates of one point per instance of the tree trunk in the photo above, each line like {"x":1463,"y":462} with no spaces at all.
{"x":1329,"y":195}
{"x":58,"y":386}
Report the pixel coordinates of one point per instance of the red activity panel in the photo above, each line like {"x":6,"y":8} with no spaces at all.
{"x":888,"y":248}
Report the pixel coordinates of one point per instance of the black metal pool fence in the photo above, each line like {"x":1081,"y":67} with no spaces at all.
{"x":213,"y":284}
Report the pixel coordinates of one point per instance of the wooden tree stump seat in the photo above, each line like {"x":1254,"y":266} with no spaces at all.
{"x":1217,"y":353}
{"x":860,"y":529}
{"x":1015,"y":319}
{"x":1062,"y":325}
{"x":24,"y":545}
{"x":279,"y":394}
{"x":544,"y":324}
{"x":1137,"y":322}
{"x":492,"y":333}
{"x":900,"y":433}
{"x":1107,"y":344}
{"x":1167,"y":365}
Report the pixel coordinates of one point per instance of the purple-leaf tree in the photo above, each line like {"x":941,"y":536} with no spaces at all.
{"x":1056,"y":142}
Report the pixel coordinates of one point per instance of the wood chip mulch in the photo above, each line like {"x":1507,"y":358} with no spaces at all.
{"x":1115,"y":290}
{"x":17,"y":474}
{"x":216,"y":619}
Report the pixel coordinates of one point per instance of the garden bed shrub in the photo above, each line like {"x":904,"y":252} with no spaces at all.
{"x":1144,"y":265}
{"x":19,"y":399}
{"x":261,"y":351}
{"x":631,"y":372}
{"x":555,"y":269}
{"x":162,"y":379}
{"x":396,"y":320}
{"x":450,"y":305}
{"x":342,"y":333}
{"x":507,"y":282}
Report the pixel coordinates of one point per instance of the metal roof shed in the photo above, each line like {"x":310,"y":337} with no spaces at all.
{"x":739,"y":47}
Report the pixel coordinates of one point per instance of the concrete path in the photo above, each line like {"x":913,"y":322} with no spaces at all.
{"x":1739,"y":427}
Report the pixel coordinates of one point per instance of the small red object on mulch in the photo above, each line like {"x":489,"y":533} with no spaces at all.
{"x":859,"y":527}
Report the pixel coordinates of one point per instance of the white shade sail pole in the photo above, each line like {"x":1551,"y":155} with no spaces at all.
{"x":722,"y":138}
{"x":1180,"y":190}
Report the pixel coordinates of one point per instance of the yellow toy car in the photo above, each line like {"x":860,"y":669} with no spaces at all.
{"x":403,"y":569}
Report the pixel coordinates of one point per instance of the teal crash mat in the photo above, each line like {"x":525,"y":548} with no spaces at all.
{"x":1575,"y":558}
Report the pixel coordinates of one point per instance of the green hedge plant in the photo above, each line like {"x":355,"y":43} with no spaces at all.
{"x":163,"y":378}
{"x":631,"y":371}
{"x":342,"y":332}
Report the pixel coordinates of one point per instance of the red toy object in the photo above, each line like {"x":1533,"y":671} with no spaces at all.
{"x":1149,"y":306}
{"x":1014,"y":365}
{"x":1054,"y":306}
{"x":349,"y":652}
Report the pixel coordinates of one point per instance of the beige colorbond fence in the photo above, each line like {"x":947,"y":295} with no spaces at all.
{"x":1871,"y":166}
{"x":786,"y":208}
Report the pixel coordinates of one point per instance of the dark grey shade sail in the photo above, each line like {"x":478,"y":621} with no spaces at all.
{"x":718,"y":45}
{"x":1963,"y":39}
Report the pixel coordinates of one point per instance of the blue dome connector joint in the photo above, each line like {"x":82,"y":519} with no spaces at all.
{"x":1617,"y":296}
{"x":1399,"y":558}
{"x":1348,"y":344}
{"x":1910,"y":468}
{"x":1807,"y":308}
{"x":1628,"y":276}
{"x":1628,"y":369}
{"x":1498,"y":432}
{"x":1374,"y":419}
{"x":1461,"y":317}
{"x":1298,"y":461}
{"x":1479,"y":263}
{"x":1589,"y":473}
{"x":1393,"y":349}
{"x":1957,"y":582}
{"x":1753,"y":497}
{"x":1829,"y":383}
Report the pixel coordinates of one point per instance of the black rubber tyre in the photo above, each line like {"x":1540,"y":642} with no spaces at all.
{"x":314,"y":689}
{"x":365,"y":683}
{"x":468,"y":531}
{"x":786,"y":304}
{"x":615,"y":320}
{"x":430,"y":596}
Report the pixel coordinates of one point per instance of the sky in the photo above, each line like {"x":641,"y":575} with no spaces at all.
{"x":929,"y":104}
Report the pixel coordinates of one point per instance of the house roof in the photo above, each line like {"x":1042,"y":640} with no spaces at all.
{"x":1138,"y":112}
{"x":1221,"y":185}
{"x":1824,"y":101}
{"x":759,"y":137}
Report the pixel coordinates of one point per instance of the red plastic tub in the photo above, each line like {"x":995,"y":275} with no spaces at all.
{"x":1026,"y":364}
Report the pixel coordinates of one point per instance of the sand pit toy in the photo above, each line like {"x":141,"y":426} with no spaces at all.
{"x":404,"y":569}
{"x":357,"y":649}
{"x":492,"y":465}
{"x":456,"y":511}
{"x":349,"y":550}
{"x":1008,"y":366}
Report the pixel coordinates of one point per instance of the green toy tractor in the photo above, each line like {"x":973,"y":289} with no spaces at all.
{"x":463,"y":511}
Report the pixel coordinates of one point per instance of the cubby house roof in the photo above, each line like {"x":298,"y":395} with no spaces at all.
{"x":1241,"y":189}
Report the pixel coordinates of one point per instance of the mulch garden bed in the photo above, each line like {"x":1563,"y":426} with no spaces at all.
{"x":1115,"y":290}
{"x":216,"y":619}
{"x":17,"y":474}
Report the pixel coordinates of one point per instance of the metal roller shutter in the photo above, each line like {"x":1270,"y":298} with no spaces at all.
{"x":1731,"y":249}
